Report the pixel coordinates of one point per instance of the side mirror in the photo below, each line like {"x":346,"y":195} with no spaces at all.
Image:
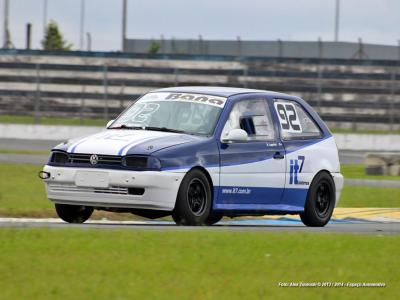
{"x":109,"y":123}
{"x":235,"y":135}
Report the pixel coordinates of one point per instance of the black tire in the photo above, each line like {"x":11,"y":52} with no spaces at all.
{"x":193,"y":203}
{"x":73,"y":213}
{"x":214,"y":218}
{"x":320,"y":201}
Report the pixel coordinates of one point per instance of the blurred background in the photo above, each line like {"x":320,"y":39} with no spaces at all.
{"x":68,"y":67}
{"x":85,"y":60}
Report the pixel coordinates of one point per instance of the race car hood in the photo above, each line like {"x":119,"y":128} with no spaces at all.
{"x":122,"y":142}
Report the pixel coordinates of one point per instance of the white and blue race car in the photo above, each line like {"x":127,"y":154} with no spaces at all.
{"x":198,"y":154}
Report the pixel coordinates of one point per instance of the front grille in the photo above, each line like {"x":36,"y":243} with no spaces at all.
{"x":115,"y":190}
{"x":131,"y":162}
{"x":107,"y":160}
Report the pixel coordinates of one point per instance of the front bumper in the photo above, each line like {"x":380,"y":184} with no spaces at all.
{"x":112,"y":188}
{"x":339,"y":181}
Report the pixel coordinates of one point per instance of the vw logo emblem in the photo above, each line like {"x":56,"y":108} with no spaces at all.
{"x":94,"y":159}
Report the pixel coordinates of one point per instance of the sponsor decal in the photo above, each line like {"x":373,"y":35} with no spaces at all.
{"x":140,"y":112}
{"x":236,"y":190}
{"x":116,"y":136}
{"x":211,"y":100}
{"x":274,"y":144}
{"x":295,"y":170}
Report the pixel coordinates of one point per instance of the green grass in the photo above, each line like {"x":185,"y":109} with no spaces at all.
{"x":52,"y":121}
{"x":22,"y":193}
{"x":358,"y":172}
{"x":366,"y":196}
{"x":141,"y":264}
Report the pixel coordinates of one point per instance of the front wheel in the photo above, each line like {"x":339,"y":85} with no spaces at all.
{"x":73,"y":213}
{"x":193,"y":204}
{"x":320,"y":201}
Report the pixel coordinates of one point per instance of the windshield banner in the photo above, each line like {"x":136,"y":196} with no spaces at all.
{"x":195,"y":98}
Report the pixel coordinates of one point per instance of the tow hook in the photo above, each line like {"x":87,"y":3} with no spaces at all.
{"x":44,"y":175}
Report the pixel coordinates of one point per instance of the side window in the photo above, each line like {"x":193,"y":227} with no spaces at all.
{"x":294,"y":121}
{"x":254,"y":117}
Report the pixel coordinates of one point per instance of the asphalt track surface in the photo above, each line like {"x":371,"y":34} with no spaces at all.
{"x":18,"y":144}
{"x":280,"y":225}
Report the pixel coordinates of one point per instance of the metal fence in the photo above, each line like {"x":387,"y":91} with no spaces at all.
{"x":347,"y":93}
{"x":278,"y":48}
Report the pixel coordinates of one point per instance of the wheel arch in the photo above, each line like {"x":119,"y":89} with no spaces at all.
{"x":325,"y":171}
{"x":333,"y":182}
{"x":210,"y":181}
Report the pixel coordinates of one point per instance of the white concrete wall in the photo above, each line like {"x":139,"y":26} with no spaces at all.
{"x":45,"y":132}
{"x":367,"y":142}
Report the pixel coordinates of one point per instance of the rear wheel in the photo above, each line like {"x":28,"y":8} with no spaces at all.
{"x":320,"y":201}
{"x":193,"y":204}
{"x":73,"y":213}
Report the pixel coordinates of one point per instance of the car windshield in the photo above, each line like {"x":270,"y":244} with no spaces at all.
{"x":175,"y":112}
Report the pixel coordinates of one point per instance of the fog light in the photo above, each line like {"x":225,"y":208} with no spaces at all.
{"x":44,"y":175}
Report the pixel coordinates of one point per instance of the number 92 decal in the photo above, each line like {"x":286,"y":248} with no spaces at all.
{"x":288,"y":117}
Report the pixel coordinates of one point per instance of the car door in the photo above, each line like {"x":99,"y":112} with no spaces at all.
{"x":252,"y":172}
{"x":301,"y":138}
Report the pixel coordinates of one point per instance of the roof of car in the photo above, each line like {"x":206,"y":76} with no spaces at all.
{"x":217,"y":91}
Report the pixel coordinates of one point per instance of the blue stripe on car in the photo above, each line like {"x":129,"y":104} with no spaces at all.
{"x":260,"y":198}
{"x":133,"y":143}
{"x":78,"y":143}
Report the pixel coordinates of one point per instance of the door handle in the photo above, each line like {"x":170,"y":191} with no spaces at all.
{"x":278,"y":155}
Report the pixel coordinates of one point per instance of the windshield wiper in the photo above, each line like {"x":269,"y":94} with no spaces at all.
{"x":164,"y":129}
{"x":127,"y":127}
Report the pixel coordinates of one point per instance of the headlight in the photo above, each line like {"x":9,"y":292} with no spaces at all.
{"x":153,"y":163}
{"x":59,"y":157}
{"x":141,"y":162}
